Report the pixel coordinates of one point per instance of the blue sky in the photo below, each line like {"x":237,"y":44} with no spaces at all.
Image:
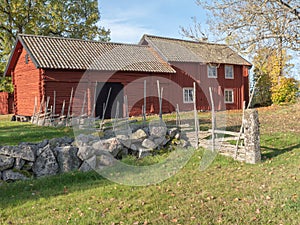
{"x":130,"y":19}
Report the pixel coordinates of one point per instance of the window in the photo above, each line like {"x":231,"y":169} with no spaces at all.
{"x":229,"y":72}
{"x":228,"y":96}
{"x":188,"y":95}
{"x":212,"y":71}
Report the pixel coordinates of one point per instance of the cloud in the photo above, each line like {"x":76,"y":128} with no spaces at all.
{"x":125,"y":31}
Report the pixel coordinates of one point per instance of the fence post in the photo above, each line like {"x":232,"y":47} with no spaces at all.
{"x":252,"y":136}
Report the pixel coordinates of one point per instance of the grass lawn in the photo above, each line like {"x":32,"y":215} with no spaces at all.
{"x":12,"y":133}
{"x":228,"y":192}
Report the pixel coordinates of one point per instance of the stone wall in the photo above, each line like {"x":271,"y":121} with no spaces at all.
{"x":87,"y":152}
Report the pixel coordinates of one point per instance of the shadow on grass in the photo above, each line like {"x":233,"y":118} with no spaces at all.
{"x":17,"y":193}
{"x":270,"y":153}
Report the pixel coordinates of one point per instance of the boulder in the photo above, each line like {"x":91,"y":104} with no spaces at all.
{"x":6,"y":162}
{"x":45,"y":163}
{"x":84,"y":140}
{"x":25,"y":151}
{"x":139,"y":134}
{"x":125,"y":140}
{"x":6,"y":150}
{"x":85,"y":152}
{"x":67,"y":158}
{"x":161,"y":141}
{"x":85,"y":167}
{"x":10,"y":175}
{"x":112,"y":145}
{"x":105,"y":160}
{"x":19,"y":163}
{"x":158,"y":131}
{"x":149,"y":144}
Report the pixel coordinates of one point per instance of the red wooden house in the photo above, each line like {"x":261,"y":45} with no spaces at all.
{"x":209,"y":65}
{"x":41,"y":65}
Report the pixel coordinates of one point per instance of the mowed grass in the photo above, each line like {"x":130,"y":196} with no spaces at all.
{"x":228,"y":192}
{"x":12,"y":133}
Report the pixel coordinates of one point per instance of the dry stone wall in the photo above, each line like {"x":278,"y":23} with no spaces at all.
{"x":60,"y":155}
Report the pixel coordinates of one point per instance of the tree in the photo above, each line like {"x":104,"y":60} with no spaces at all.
{"x":6,"y":85}
{"x":273,"y":86}
{"x":252,"y":24}
{"x":75,"y":19}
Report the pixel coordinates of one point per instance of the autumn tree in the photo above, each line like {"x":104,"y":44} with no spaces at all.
{"x":272,"y":86}
{"x":252,"y":26}
{"x":75,"y":19}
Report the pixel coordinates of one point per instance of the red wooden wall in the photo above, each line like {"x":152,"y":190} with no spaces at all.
{"x":27,"y":85}
{"x":31,"y":82}
{"x":6,"y":103}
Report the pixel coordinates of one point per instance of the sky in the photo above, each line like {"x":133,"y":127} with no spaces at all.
{"x":128,"y":20}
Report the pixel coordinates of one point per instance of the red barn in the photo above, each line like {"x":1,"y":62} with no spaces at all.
{"x":46,"y":66}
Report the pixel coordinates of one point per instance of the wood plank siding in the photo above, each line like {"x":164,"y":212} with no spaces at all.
{"x":27,"y":84}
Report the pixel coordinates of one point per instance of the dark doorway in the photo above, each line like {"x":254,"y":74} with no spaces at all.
{"x":116,"y":94}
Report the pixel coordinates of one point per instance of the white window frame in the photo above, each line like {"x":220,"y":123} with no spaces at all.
{"x":232,"y":72}
{"x":225,"y":96}
{"x":209,"y":73}
{"x":189,"y":89}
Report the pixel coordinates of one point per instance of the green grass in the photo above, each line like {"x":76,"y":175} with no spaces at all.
{"x":12,"y":133}
{"x":228,"y":192}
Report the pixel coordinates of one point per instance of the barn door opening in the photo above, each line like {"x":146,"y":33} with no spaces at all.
{"x":116,"y":95}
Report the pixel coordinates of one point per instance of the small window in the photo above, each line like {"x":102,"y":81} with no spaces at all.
{"x":229,"y":72}
{"x":188,"y":95}
{"x":212,"y":71}
{"x":228,"y":96}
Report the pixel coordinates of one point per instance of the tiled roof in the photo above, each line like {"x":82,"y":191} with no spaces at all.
{"x":176,"y":50}
{"x":66,"y":53}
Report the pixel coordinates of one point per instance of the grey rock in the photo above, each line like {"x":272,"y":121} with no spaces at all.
{"x":26,"y":152}
{"x":122,"y":153}
{"x":139,"y":134}
{"x":19,"y":163}
{"x":158,"y":131}
{"x":105,"y":160}
{"x":0,"y":178}
{"x":6,"y":150}
{"x":134,"y":147}
{"x":45,"y":163}
{"x":85,"y":167}
{"x":54,"y":142}
{"x":112,"y":145}
{"x":10,"y":175}
{"x":83,"y":140}
{"x":42,"y":144}
{"x":28,"y":166}
{"x":148,"y":144}
{"x":144,"y":152}
{"x":85,"y":152}
{"x":125,"y":140}
{"x":6,"y":162}
{"x":67,"y":158}
{"x":161,"y":141}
